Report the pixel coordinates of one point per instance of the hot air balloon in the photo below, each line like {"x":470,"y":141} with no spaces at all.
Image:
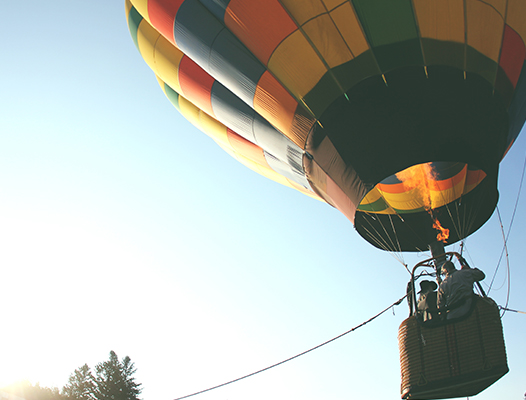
{"x":395,"y":112}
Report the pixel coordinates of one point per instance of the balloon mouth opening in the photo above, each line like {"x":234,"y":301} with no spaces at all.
{"x":422,"y":187}
{"x":400,"y":215}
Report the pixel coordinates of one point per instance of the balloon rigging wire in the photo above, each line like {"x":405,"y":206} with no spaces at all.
{"x":396,"y":303}
{"x":505,"y":240}
{"x":383,"y":244}
{"x":509,"y":309}
{"x":505,"y":248}
{"x":504,"y":251}
{"x":398,"y":248}
{"x":392,"y":248}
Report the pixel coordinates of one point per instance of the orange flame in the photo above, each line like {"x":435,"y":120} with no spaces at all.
{"x":420,"y":178}
{"x":443,"y":233}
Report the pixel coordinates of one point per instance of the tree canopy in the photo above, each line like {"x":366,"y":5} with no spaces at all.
{"x":112,"y":380}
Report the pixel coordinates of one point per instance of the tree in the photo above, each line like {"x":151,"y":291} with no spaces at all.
{"x":80,"y":385}
{"x":114,"y":380}
{"x":26,"y":391}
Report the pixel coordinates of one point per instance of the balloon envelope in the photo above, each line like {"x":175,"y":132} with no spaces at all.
{"x":396,"y":112}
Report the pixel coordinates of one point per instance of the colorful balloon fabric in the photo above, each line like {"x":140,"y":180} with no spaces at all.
{"x":396,"y":112}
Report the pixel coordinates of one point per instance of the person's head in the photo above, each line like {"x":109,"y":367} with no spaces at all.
{"x":427,"y":286}
{"x":448,"y":268}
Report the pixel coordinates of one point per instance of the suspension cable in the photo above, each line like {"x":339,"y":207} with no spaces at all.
{"x":509,"y":309}
{"x":505,"y":241}
{"x":297,"y":355}
{"x":504,"y":250}
{"x":398,"y":248}
{"x":507,"y":235}
{"x":381,"y":242}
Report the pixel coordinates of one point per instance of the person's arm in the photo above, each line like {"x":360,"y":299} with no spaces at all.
{"x":441,"y":298}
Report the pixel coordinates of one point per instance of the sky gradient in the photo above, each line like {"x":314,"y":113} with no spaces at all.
{"x":125,"y":228}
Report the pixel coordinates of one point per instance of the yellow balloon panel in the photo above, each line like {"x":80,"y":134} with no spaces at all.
{"x":327,"y":41}
{"x":441,"y":20}
{"x":296,"y":65}
{"x":485,"y":27}
{"x":303,"y":11}
{"x":348,"y":26}
{"x":142,"y":7}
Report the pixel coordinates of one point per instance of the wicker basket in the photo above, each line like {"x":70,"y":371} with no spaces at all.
{"x":455,"y":358}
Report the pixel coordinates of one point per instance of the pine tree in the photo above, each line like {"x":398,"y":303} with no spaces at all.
{"x":133,"y":388}
{"x":80,"y":385}
{"x":114,"y":380}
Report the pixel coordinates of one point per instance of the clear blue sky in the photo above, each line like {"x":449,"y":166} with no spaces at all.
{"x":123,"y":227}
